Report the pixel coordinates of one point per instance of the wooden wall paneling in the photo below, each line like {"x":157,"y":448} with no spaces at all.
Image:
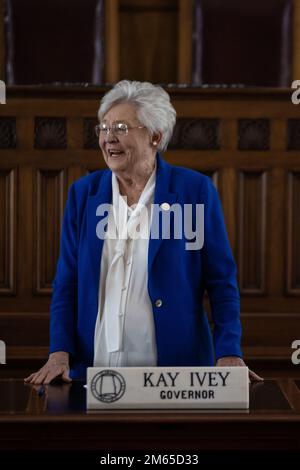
{"x":25,"y":235}
{"x":278,"y":138}
{"x":293,"y":234}
{"x":149,"y":38}
{"x":276,"y":215}
{"x":75,"y":132}
{"x":49,"y":202}
{"x":75,"y":139}
{"x":8,"y":231}
{"x":229,"y":204}
{"x":94,"y":159}
{"x":196,"y":134}
{"x":215,"y":177}
{"x":252,"y":231}
{"x":90,"y":140}
{"x":112,"y":41}
{"x":25,"y":132}
{"x":258,"y":183}
{"x":228,"y":134}
{"x":254,"y":134}
{"x":268,"y":336}
{"x":50,"y":133}
{"x":275,"y":211}
{"x":269,"y":304}
{"x":185,"y":30}
{"x":229,"y":139}
{"x":24,"y":330}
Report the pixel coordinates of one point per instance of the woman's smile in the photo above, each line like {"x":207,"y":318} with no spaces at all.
{"x":115,"y":153}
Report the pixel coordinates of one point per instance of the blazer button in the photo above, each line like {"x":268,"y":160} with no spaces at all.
{"x":158,"y":303}
{"x":165,"y":206}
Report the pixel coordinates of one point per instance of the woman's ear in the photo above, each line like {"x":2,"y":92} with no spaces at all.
{"x":156,"y":138}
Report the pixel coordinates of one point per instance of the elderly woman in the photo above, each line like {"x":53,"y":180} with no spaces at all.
{"x":121,"y":300}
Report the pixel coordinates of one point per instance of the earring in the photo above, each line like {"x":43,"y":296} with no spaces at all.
{"x":154,"y":142}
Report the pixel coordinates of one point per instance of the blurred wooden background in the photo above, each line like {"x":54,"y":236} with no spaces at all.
{"x":247,"y":139}
{"x":161,"y":41}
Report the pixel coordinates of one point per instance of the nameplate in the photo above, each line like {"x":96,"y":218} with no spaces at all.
{"x":167,"y":387}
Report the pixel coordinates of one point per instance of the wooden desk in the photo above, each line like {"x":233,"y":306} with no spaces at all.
{"x":59,"y":420}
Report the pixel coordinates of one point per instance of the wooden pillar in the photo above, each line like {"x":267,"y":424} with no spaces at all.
{"x":296,"y":40}
{"x":2,"y":42}
{"x":112,"y":42}
{"x":185,"y":31}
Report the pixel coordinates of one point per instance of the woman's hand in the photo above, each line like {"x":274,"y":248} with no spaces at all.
{"x":231,"y":361}
{"x":56,"y":366}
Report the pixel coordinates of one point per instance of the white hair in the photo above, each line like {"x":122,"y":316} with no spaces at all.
{"x":154,"y":108}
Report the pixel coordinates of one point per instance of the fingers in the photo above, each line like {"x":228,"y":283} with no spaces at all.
{"x":35,"y":377}
{"x":61,"y":372}
{"x":51,"y":376}
{"x":27,"y":379}
{"x":254,"y":377}
{"x":230,"y":362}
{"x":38,"y":377}
{"x":49,"y":372}
{"x":236,"y":361}
{"x":65,"y":376}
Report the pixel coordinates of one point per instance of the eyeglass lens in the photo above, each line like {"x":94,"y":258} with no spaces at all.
{"x":119,"y":128}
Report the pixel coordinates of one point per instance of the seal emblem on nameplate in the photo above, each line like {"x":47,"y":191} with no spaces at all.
{"x":108,"y":386}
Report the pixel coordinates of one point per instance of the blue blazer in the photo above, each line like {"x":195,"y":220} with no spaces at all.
{"x":176,"y":276}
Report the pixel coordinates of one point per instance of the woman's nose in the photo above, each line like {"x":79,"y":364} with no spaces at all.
{"x":110,"y":136}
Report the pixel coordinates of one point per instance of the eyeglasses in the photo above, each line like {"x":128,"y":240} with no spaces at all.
{"x":118,"y":128}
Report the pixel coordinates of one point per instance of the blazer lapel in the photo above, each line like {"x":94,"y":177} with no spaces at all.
{"x":103,"y":196}
{"x":161,"y":195}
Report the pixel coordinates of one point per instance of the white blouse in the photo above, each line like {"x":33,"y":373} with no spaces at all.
{"x":129,"y":338}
